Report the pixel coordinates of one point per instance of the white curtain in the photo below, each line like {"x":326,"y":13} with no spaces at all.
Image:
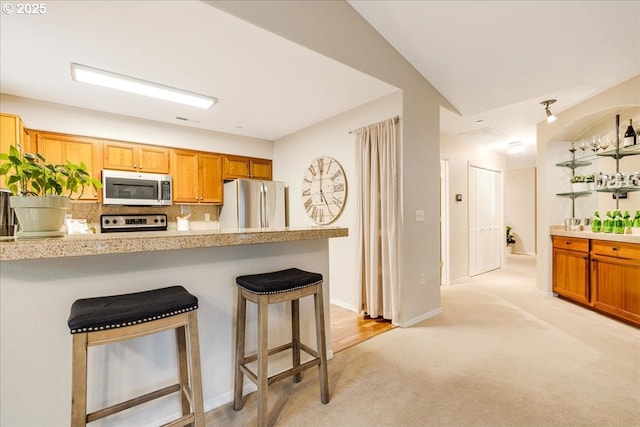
{"x":378,"y":218}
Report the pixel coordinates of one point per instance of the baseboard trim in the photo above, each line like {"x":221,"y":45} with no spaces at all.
{"x":460,"y":280}
{"x":420,"y":318}
{"x":344,"y":305}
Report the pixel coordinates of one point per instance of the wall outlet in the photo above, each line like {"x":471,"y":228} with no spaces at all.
{"x":423,"y":279}
{"x":207,"y":217}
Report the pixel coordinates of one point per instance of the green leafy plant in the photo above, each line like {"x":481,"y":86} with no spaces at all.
{"x":582,"y":178}
{"x":30,"y":175}
{"x":511,"y":235}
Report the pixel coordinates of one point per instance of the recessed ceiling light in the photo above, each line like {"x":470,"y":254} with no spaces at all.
{"x":479,"y":121}
{"x":82,"y":73}
{"x":515,"y":147}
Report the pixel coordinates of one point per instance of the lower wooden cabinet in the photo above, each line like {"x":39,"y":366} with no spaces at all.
{"x":615,"y":279}
{"x":571,"y":268}
{"x":601,"y":274}
{"x":197,"y":176}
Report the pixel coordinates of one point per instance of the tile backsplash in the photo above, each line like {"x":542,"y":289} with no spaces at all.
{"x":92,"y":211}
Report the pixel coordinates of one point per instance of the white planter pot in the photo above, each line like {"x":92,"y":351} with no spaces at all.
{"x":579,"y":187}
{"x":40,"y":213}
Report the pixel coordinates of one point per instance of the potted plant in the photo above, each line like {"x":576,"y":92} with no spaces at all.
{"x":511,"y":238}
{"x":580,"y":184}
{"x":41,"y":191}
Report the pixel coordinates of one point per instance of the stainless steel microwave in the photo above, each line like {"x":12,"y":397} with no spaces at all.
{"x":136,"y":189}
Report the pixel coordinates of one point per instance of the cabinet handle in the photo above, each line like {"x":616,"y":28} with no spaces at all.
{"x":614,"y":248}
{"x":140,"y":167}
{"x":567,"y":243}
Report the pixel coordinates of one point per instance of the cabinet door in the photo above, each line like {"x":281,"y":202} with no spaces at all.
{"x":184,"y":173}
{"x":12,"y":133}
{"x":615,"y":285}
{"x":153,"y":159}
{"x":120,"y":156}
{"x":571,"y":274}
{"x":210,"y":178}
{"x":136,"y":157}
{"x":58,"y":148}
{"x":261,"y":169}
{"x":236,"y":167}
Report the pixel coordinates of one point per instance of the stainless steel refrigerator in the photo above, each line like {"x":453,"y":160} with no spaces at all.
{"x":250,"y":203}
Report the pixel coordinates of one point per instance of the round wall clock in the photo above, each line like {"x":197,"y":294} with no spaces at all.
{"x":324,"y":190}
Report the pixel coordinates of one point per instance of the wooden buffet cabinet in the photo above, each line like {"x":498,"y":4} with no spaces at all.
{"x":601,"y":274}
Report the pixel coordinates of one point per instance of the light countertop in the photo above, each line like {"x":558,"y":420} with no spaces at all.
{"x":558,"y":230}
{"x":149,"y":241}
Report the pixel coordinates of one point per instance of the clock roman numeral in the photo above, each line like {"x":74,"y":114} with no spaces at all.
{"x":337,"y":201}
{"x":336,"y":175}
{"x":312,"y":171}
{"x":307,"y":204}
{"x":338,"y":187}
{"x":306,"y":192}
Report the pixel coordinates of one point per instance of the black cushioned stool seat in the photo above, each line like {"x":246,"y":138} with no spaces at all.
{"x":109,"y":319}
{"x":268,"y":288}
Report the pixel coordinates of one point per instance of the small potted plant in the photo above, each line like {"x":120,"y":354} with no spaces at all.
{"x":511,"y":238}
{"x":579,"y":183}
{"x":41,"y":191}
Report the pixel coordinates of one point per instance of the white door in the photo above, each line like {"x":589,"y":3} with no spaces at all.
{"x":485,"y":225}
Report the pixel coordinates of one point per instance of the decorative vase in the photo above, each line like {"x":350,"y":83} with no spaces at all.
{"x":40,"y":213}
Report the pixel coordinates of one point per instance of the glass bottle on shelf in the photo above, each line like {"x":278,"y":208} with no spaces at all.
{"x":636,"y":224}
{"x":596,"y":223}
{"x":627,"y":222}
{"x":630,"y":135}
{"x":618,"y":223}
{"x":607,"y":224}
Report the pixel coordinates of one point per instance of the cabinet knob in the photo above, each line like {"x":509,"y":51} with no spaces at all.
{"x":140,"y":167}
{"x":567,"y":243}
{"x":614,"y":248}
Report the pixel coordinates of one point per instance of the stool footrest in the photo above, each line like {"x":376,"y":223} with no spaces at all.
{"x":118,"y":407}
{"x":186,"y":420}
{"x":281,"y":375}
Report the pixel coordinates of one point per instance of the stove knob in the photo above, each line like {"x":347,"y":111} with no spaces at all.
{"x":115,"y":221}
{"x":162,"y":220}
{"x":106,"y":221}
{"x":155,"y":220}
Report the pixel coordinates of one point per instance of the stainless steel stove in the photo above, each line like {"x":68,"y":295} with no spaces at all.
{"x":133,"y":222}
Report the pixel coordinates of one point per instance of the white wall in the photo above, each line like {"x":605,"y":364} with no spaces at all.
{"x":292,"y":155}
{"x":461,"y":154}
{"x":51,"y":117}
{"x":520,"y":208}
{"x":336,"y":30}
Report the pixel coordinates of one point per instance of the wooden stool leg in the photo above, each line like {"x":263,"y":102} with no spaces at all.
{"x":196,"y":374}
{"x":79,"y":381}
{"x":183,"y":376}
{"x":241,"y":320}
{"x":323,"y":375}
{"x":263,"y":355}
{"x":295,"y":337}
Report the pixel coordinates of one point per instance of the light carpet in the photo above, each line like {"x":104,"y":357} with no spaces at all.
{"x":501,"y":354}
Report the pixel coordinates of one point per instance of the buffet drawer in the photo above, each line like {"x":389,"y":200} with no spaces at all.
{"x":616,"y":249}
{"x":571,"y":243}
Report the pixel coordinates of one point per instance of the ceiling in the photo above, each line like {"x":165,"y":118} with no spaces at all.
{"x":493,"y":60}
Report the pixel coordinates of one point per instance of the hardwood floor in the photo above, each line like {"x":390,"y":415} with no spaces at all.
{"x":349,"y":328}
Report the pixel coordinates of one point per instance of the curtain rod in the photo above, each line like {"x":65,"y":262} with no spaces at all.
{"x":395,"y":120}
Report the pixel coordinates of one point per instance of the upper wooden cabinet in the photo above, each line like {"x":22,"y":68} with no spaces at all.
{"x":197,"y":176}
{"x":135,"y":157}
{"x":58,"y":148}
{"x":12,"y":132}
{"x":246,"y":167}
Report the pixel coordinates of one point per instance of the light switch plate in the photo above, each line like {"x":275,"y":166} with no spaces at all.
{"x":419,"y":215}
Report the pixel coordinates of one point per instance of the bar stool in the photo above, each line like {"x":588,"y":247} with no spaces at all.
{"x":106,"y":320}
{"x":271,"y":288}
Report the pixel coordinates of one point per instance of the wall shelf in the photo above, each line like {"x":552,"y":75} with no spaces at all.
{"x":574,"y":195}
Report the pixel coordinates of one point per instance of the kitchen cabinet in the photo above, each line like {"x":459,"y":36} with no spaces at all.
{"x":615,"y":279}
{"x":58,"y":148}
{"x":12,"y":132}
{"x":571,"y":268}
{"x":197,"y":176}
{"x":135,"y":157}
{"x":246,"y":167}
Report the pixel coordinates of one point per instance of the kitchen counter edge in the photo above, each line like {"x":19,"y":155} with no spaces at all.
{"x":150,"y":241}
{"x":558,"y":230}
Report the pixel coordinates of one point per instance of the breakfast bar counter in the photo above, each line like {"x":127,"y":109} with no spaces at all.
{"x":40,"y":280}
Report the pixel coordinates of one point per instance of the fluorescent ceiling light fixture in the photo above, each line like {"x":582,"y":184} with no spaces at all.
{"x":550,"y":116}
{"x":515,"y":147}
{"x":95,"y":76}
